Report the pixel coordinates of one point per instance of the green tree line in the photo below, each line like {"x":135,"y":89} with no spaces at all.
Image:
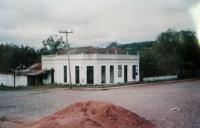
{"x":12,"y":56}
{"x":173,"y":52}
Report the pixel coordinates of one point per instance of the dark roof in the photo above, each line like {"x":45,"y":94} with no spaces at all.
{"x":35,"y":66}
{"x":36,"y":72}
{"x":33,"y":70}
{"x":92,"y":50}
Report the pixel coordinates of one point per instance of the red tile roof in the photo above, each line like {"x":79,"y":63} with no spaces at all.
{"x":92,"y":50}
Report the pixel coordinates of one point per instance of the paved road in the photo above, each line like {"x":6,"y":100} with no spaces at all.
{"x":174,"y":105}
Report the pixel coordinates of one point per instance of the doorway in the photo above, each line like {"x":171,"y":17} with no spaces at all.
{"x":103,"y":74}
{"x":90,"y":75}
{"x":111,"y":74}
{"x":77,"y":76}
{"x":125,"y":73}
{"x":52,"y":76}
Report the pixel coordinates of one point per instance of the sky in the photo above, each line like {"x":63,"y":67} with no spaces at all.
{"x":94,"y":22}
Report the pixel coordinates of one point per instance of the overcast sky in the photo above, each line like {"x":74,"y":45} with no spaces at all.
{"x":94,"y":21}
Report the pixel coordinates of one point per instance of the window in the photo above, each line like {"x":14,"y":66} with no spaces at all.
{"x":119,"y":71}
{"x":65,"y":74}
{"x":134,"y":71}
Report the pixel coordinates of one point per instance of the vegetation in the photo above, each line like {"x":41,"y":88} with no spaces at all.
{"x":52,"y":44}
{"x":173,"y":52}
{"x":132,"y":48}
{"x":12,"y":56}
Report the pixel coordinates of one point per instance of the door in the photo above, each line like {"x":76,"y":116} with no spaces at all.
{"x":103,"y":74}
{"x":125,"y":73}
{"x":111,"y":74}
{"x":90,"y":75}
{"x":77,"y":75}
{"x":52,"y":76}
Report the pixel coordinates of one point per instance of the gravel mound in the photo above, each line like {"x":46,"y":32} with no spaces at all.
{"x":93,"y":114}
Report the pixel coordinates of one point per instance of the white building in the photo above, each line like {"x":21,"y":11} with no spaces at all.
{"x":92,"y":66}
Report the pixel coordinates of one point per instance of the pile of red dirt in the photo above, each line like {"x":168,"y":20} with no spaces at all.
{"x":93,"y":114}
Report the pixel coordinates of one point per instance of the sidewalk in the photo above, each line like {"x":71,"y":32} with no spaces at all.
{"x":103,"y":88}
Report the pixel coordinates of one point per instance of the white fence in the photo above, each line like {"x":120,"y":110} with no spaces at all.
{"x":8,"y":80}
{"x":171,"y":77}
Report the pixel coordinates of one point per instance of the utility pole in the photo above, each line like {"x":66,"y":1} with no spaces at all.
{"x":14,"y":77}
{"x":68,"y":53}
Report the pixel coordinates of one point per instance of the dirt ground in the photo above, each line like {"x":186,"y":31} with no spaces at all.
{"x":93,"y":114}
{"x":169,"y":105}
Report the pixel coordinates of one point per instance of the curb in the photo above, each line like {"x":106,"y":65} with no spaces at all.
{"x":132,"y":85}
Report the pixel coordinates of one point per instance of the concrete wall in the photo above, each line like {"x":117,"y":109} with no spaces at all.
{"x":8,"y":80}
{"x":57,"y":62}
{"x":171,"y":77}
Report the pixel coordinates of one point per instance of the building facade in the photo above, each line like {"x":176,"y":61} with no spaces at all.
{"x":92,"y":66}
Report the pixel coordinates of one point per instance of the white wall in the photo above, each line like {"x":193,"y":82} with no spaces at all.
{"x":171,"y":77}
{"x":8,"y":80}
{"x":57,"y":62}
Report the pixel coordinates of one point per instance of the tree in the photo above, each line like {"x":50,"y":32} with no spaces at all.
{"x":132,"y":48}
{"x":190,"y":50}
{"x":52,"y":44}
{"x":173,"y":52}
{"x":113,"y":45}
{"x":12,"y":56}
{"x":168,"y":47}
{"x":149,"y":62}
{"x":135,"y":47}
